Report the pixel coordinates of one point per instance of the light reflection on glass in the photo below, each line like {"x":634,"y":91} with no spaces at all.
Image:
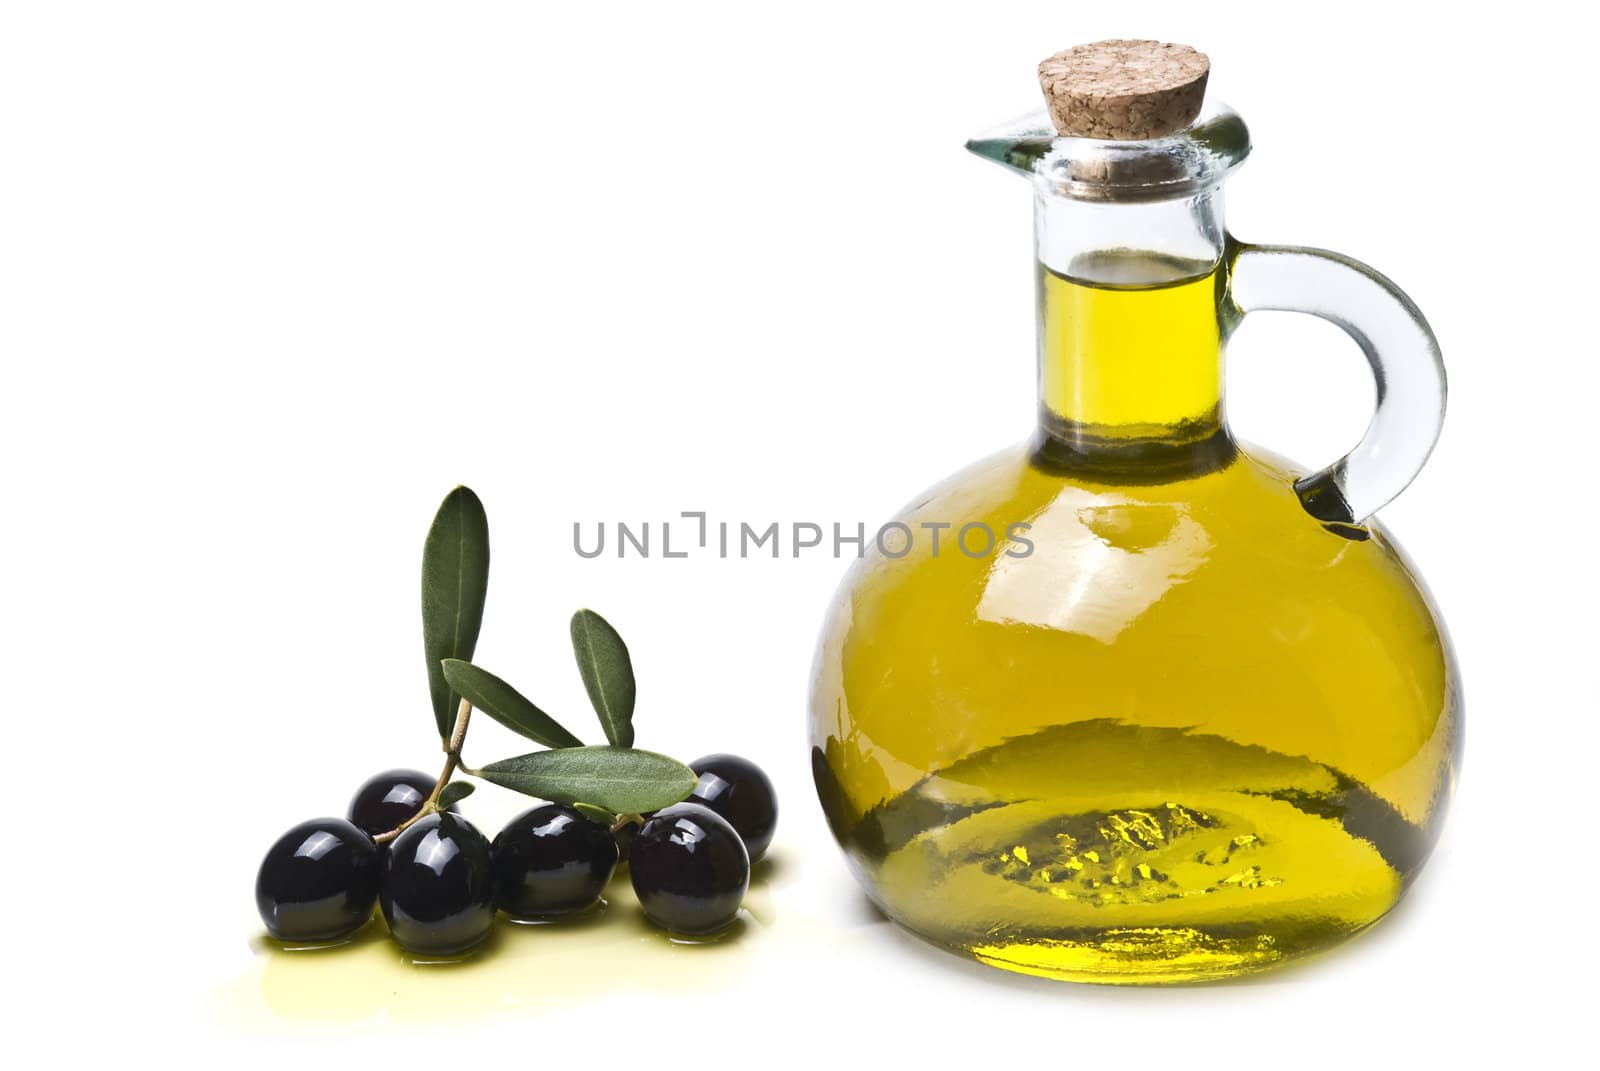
{"x":1099,"y":562}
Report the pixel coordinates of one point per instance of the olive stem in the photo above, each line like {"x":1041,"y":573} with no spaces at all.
{"x":452,"y":761}
{"x":458,"y":735}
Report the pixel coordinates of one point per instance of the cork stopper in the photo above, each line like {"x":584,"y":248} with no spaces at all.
{"x":1124,"y":90}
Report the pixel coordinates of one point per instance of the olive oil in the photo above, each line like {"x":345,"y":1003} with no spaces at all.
{"x":1136,"y":350}
{"x":519,"y":968}
{"x":1191,"y":732}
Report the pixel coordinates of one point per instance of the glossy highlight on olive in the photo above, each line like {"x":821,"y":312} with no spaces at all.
{"x":550,"y":860}
{"x":690,"y":870}
{"x":738,"y":790}
{"x":436,"y":893}
{"x":318,"y":881}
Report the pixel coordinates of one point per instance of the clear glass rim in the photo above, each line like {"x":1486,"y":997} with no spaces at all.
{"x":1191,"y":161}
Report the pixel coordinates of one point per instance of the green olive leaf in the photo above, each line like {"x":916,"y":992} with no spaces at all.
{"x":607,"y":674}
{"x":454,"y":792}
{"x":505,"y":704}
{"x":596,"y":814}
{"x":619,"y":779}
{"x":455,"y":579}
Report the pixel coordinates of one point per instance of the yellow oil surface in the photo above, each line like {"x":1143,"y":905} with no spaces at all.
{"x":519,"y":968}
{"x":1191,"y":734}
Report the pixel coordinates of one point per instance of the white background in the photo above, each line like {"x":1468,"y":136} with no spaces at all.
{"x":274,"y":277}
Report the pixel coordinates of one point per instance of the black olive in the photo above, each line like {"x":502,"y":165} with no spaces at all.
{"x":435,"y":892}
{"x":739,"y":791}
{"x":550,"y":861}
{"x":690,"y":869}
{"x":318,"y":882}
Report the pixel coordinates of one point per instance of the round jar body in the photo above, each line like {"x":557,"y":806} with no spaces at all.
{"x":1172,"y":732}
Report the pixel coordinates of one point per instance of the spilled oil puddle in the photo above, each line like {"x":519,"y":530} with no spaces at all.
{"x":519,"y":968}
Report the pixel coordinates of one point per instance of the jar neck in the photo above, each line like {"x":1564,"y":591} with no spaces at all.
{"x":1130,"y":336}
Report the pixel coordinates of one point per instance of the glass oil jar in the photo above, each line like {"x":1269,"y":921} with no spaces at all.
{"x":1198,"y":716}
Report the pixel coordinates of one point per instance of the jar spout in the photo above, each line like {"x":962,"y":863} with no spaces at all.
{"x":1017,"y":145}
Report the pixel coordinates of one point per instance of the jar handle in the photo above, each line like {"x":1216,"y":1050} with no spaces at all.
{"x":1400,"y":347}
